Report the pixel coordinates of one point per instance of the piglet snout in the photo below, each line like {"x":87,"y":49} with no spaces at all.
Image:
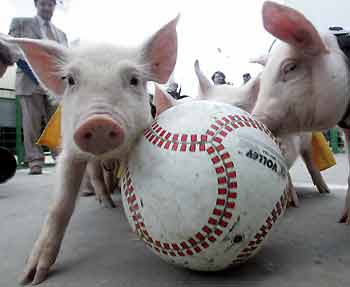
{"x":99,"y":134}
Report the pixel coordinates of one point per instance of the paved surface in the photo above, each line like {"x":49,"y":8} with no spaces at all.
{"x":308,"y":248}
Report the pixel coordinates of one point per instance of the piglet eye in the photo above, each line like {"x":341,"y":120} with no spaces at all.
{"x":134,"y":81}
{"x":289,"y":68}
{"x":71,"y":81}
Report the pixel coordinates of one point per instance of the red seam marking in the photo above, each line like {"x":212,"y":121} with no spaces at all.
{"x":210,"y":150}
{"x":192,"y":148}
{"x":175,"y":146}
{"x":210,"y":133}
{"x":229,"y":164}
{"x":167,"y":145}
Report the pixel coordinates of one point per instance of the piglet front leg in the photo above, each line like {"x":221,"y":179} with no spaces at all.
{"x":345,"y":217}
{"x":69,"y":174}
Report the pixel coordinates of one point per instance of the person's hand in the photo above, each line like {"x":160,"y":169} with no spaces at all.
{"x":3,"y":69}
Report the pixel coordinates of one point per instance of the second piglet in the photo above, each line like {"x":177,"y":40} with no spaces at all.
{"x":105,"y":106}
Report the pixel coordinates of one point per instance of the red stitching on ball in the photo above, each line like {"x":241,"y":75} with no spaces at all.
{"x":204,"y":138}
{"x":220,"y":123}
{"x":214,"y":127}
{"x":217,"y":211}
{"x":232,"y":195}
{"x":211,"y":238}
{"x":220,"y":147}
{"x":212,"y":221}
{"x":192,"y":148}
{"x":234,"y":125}
{"x":175,"y":146}
{"x":226,"y":120}
{"x":197,"y":249}
{"x":219,"y":169}
{"x":210,"y":150}
{"x":220,"y":202}
{"x":222,"y":191}
{"x":184,"y":245}
{"x":206,"y":229}
{"x":199,"y":236}
{"x":222,"y":180}
{"x":205,"y":244}
{"x":210,"y":133}
{"x":215,"y":160}
{"x":229,"y":164}
{"x":228,"y":128}
{"x":167,"y":145}
{"x":232,"y":185}
{"x":155,"y":140}
{"x":263,"y":231}
{"x":217,"y":139}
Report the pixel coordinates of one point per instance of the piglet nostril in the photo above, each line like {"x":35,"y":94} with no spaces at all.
{"x":87,"y":136}
{"x":113,"y":134}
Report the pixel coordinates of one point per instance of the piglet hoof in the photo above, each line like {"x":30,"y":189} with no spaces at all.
{"x":345,"y":218}
{"x":105,"y":200}
{"x":34,"y":275}
{"x":323,"y":189}
{"x":108,"y":203}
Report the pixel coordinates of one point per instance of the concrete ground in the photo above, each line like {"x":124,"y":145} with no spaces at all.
{"x":308,"y":248}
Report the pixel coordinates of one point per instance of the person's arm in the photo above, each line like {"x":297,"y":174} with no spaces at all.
{"x":8,"y":56}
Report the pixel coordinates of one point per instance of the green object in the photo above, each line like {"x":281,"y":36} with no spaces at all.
{"x":336,"y":142}
{"x":19,"y":143}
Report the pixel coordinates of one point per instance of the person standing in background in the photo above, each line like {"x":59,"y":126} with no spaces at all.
{"x":35,"y":103}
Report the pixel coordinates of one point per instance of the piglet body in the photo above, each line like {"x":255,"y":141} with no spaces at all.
{"x":105,"y":107}
{"x":305,"y":85}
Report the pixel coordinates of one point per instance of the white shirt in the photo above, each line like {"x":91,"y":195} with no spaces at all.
{"x":43,"y":28}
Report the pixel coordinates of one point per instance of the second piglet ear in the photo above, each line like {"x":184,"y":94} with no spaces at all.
{"x":204,"y":83}
{"x":292,"y":27}
{"x":161,"y":52}
{"x":46,"y":59}
{"x":162,"y":100}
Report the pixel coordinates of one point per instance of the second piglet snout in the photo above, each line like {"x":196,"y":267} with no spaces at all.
{"x":99,"y":134}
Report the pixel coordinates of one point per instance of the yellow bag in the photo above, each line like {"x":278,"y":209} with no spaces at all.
{"x":321,"y":153}
{"x":51,"y":136}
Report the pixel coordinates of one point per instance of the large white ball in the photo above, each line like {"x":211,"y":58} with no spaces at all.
{"x":205,"y":185}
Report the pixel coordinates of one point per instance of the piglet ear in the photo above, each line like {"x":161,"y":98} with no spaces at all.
{"x":161,"y":52}
{"x":204,"y":83}
{"x":293,"y":28}
{"x":46,"y":59}
{"x":261,"y":60}
{"x":162,"y":100}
